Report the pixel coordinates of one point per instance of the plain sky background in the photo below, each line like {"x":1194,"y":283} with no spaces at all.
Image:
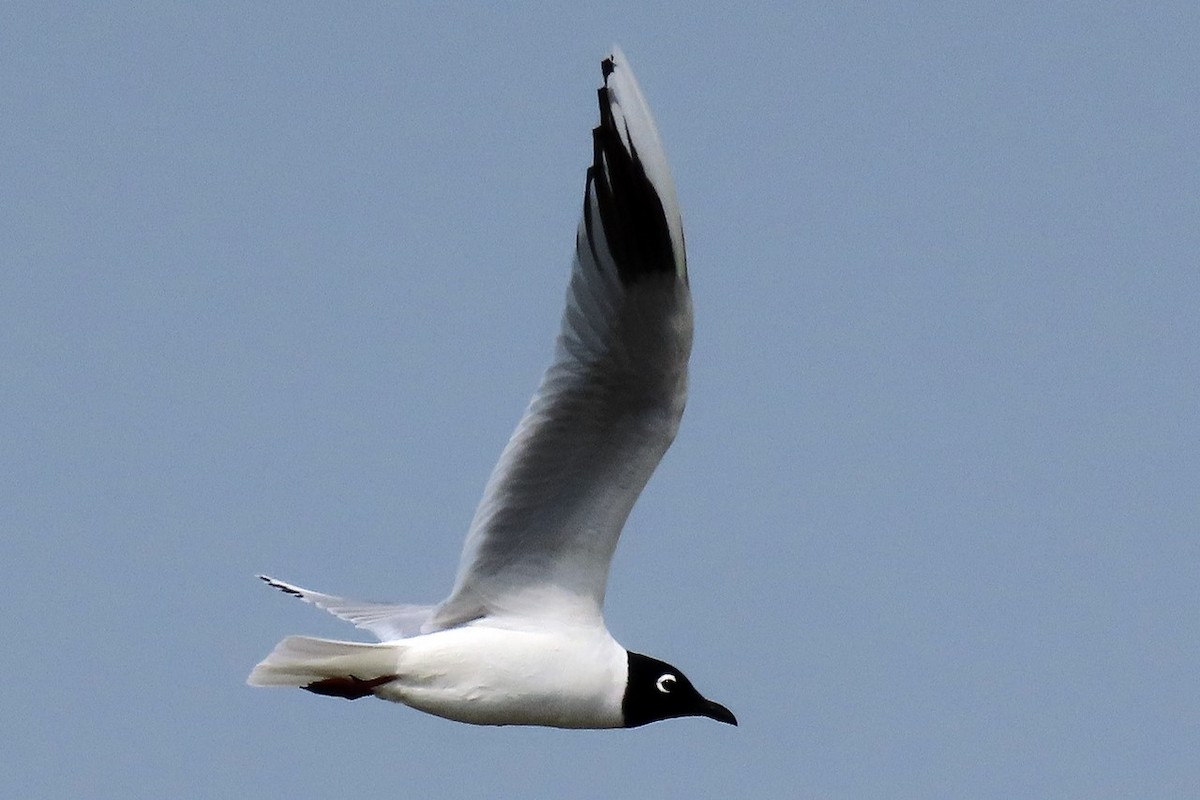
{"x":277,"y":280}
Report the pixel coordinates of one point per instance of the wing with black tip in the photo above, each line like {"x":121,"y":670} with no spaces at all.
{"x":608,"y":407}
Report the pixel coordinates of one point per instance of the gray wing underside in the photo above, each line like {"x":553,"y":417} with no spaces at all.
{"x":609,"y":405}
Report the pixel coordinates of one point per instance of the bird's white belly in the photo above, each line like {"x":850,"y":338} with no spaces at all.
{"x":494,"y":676}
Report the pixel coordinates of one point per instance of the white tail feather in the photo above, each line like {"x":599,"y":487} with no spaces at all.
{"x":302,"y":660}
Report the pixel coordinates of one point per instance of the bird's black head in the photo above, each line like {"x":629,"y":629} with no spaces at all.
{"x":655,"y":690}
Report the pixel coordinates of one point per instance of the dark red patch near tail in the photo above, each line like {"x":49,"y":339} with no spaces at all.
{"x":348,"y":686}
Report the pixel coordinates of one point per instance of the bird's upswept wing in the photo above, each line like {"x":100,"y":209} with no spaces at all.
{"x":608,"y":407}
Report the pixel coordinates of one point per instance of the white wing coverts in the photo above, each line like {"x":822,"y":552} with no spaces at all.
{"x":608,"y":407}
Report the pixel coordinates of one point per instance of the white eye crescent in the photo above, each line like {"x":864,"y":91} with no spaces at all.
{"x":664,"y":683}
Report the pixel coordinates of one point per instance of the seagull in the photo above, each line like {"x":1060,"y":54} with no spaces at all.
{"x":521,"y":639}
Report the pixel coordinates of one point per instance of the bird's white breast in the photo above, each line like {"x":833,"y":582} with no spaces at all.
{"x":488,"y":675}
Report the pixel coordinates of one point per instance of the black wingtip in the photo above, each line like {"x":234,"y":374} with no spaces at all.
{"x":632,"y":217}
{"x":283,"y":587}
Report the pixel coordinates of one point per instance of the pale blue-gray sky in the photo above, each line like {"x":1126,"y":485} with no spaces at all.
{"x":277,"y":282}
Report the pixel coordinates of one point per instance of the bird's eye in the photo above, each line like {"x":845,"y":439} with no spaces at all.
{"x":664,"y":683}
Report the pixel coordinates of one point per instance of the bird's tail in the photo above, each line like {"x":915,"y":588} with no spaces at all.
{"x":326,"y":666}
